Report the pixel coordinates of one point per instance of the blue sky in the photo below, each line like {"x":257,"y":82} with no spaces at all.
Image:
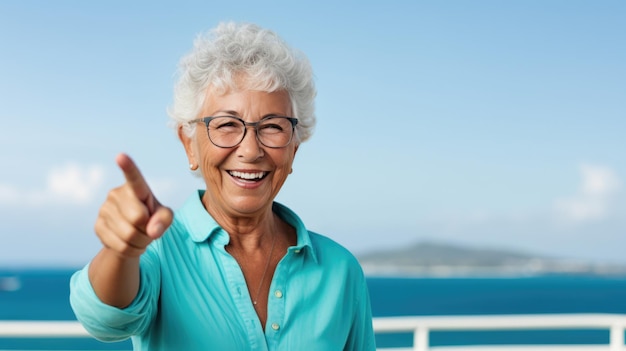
{"x":483,"y":123}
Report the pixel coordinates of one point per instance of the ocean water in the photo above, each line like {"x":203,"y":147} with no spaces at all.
{"x":38,"y":294}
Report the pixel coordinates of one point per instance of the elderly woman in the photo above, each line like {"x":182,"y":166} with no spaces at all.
{"x":231,"y":269}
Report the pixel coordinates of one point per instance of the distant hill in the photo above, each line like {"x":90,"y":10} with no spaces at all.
{"x":441,"y":259}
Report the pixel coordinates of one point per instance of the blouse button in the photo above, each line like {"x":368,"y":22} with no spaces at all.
{"x":278,"y":294}
{"x":275,"y":326}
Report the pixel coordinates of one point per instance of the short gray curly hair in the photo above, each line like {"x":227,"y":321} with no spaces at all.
{"x":231,"y":50}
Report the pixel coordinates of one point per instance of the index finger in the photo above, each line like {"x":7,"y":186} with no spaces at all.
{"x":133,"y":176}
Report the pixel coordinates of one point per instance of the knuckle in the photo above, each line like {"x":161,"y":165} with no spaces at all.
{"x":114,"y":194}
{"x":99,"y":226}
{"x":127,"y":234}
{"x":137,"y":215}
{"x":121,"y":204}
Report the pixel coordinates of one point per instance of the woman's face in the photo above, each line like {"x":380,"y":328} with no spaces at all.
{"x":233,"y":185}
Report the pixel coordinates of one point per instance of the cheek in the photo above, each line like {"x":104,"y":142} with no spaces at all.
{"x":212,"y":160}
{"x":285,"y":160}
{"x":285,"y":168}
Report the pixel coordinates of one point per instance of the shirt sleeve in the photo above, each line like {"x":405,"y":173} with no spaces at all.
{"x":361,"y":336}
{"x":109,"y":323}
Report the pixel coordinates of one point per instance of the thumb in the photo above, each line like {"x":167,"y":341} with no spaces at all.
{"x":159,"y":221}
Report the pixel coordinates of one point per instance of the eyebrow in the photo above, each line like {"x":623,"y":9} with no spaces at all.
{"x":236,"y":114}
{"x":226,"y":112}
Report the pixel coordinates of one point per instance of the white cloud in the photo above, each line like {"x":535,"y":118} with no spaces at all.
{"x":69,"y":184}
{"x":74,"y":183}
{"x":593,"y":201}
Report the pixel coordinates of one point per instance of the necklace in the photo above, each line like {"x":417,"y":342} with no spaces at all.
{"x":267,"y":265}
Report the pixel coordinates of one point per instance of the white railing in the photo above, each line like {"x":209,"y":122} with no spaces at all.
{"x":42,"y":329}
{"x":420,"y":327}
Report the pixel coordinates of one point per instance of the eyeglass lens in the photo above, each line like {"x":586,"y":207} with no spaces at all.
{"x":230,"y":131}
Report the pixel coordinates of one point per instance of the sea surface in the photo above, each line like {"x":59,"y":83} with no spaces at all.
{"x":42,"y":294}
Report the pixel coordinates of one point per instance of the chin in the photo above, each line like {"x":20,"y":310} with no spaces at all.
{"x":250,"y":206}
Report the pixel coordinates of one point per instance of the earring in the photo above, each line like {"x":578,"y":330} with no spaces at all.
{"x":192,"y":167}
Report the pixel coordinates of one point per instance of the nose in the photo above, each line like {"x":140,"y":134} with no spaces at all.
{"x":250,"y":149}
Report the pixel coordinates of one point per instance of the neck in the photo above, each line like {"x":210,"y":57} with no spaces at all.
{"x":251,"y":227}
{"x":248,"y":232}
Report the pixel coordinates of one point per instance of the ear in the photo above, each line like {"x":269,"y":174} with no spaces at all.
{"x":188,"y":144}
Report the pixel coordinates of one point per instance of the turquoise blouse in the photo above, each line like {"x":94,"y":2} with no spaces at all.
{"x":193,"y":295}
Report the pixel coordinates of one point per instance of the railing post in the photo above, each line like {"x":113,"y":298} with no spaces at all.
{"x":420,"y":338}
{"x":617,"y":337}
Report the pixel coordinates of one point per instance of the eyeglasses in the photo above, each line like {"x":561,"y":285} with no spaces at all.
{"x":229,"y":131}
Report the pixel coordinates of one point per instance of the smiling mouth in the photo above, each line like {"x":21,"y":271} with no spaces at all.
{"x":248,"y":176}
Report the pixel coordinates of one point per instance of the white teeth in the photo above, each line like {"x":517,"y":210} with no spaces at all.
{"x":248,"y":176}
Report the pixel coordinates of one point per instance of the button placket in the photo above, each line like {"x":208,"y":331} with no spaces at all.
{"x":276,"y":312}
{"x":241,"y":298}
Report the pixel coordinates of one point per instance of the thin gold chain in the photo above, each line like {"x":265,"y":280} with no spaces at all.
{"x":267,"y":265}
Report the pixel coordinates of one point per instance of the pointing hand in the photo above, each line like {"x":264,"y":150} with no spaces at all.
{"x":131,"y":216}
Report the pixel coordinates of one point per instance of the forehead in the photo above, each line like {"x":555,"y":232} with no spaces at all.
{"x":247,"y":102}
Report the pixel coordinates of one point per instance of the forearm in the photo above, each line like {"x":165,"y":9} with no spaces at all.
{"x":115,"y":279}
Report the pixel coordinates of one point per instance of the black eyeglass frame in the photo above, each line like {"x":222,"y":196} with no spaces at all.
{"x":207,"y":120}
